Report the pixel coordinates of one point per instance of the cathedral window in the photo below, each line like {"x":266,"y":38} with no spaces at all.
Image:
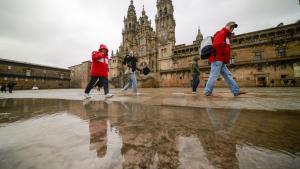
{"x":272,"y":34}
{"x":259,"y":67}
{"x":166,"y":11}
{"x":142,"y":50}
{"x":283,"y":66}
{"x":28,"y":73}
{"x":281,"y":52}
{"x":257,"y":55}
{"x":298,"y":30}
{"x":232,"y":59}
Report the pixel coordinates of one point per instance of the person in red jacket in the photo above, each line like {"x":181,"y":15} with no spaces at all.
{"x":99,"y":71}
{"x":220,"y":58}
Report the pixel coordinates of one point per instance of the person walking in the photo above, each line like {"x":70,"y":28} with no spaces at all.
{"x":195,"y":72}
{"x":3,"y":88}
{"x":99,"y":71}
{"x":219,"y":58}
{"x":11,"y":86}
{"x":131,"y":67}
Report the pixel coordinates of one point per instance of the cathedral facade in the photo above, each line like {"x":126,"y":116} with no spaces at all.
{"x":261,"y":58}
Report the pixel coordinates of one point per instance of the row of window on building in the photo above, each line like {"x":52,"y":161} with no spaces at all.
{"x":25,"y":79}
{"x":29,"y":72}
{"x":254,"y":38}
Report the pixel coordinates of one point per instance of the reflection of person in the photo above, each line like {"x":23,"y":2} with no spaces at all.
{"x":99,"y":71}
{"x":224,"y":140}
{"x":228,"y":123}
{"x":97,"y":127}
{"x":220,"y":58}
{"x":130,"y":61}
{"x":195,"y":72}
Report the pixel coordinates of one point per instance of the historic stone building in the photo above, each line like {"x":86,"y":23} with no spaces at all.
{"x":258,"y":58}
{"x":80,"y":74}
{"x":28,"y":75}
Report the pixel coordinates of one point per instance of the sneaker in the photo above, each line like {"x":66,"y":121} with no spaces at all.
{"x":122,"y":91}
{"x":109,"y":95}
{"x":194,"y":92}
{"x":137,"y":94}
{"x":208,"y":94}
{"x":241,"y":92}
{"x":87,"y":96}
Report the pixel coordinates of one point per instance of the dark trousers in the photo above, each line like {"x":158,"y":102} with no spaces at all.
{"x":103,"y":81}
{"x":195,"y":82}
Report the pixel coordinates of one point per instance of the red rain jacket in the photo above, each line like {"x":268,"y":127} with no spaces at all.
{"x":221,"y":43}
{"x":99,"y":65}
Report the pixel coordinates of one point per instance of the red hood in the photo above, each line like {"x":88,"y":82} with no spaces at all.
{"x":102,"y":46}
{"x":228,"y":33}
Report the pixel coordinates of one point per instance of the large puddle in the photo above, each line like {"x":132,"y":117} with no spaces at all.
{"x":50,"y":134}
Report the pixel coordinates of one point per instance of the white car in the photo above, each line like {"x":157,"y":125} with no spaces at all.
{"x":35,"y":88}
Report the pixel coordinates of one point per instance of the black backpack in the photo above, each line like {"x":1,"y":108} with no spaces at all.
{"x":206,"y":47}
{"x":146,"y":70}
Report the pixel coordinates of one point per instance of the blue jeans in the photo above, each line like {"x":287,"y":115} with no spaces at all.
{"x":132,"y":83}
{"x":218,"y":68}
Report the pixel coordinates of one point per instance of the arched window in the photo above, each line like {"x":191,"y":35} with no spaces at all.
{"x":160,"y":13}
{"x":166,"y":10}
{"x":129,"y":25}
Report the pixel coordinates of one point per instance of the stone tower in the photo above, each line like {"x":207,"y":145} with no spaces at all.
{"x":199,"y":37}
{"x":147,"y":42}
{"x":130,"y":29}
{"x":165,"y":31}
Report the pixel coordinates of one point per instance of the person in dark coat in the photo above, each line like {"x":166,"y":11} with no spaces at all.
{"x":11,"y":86}
{"x":3,"y":88}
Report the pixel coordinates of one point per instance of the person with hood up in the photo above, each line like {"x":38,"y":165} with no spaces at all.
{"x":220,"y":58}
{"x":99,"y":71}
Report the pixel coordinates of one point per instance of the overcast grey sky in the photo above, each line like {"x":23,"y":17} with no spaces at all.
{"x":63,"y":33}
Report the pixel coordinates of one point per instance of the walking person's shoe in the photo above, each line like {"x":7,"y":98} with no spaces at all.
{"x":122,"y":91}
{"x":240,"y":93}
{"x":87,"y":96}
{"x":137,"y":94}
{"x":208,"y":94}
{"x":194,"y":92}
{"x":109,"y":95}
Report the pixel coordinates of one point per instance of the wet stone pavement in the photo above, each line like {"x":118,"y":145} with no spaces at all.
{"x":64,"y":134}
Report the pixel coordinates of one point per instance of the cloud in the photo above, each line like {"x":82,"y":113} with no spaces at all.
{"x":64,"y":33}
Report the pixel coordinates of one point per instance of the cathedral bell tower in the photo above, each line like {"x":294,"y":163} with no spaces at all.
{"x":130,"y":29}
{"x":165,"y":30}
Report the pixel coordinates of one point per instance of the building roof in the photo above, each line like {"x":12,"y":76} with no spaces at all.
{"x":31,"y":64}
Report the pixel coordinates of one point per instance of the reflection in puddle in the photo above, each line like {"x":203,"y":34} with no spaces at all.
{"x":41,"y":133}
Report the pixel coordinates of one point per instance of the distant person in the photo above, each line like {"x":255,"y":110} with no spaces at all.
{"x":99,"y":71}
{"x":3,"y":88}
{"x":195,"y":72}
{"x":293,"y":82}
{"x":272,"y":83}
{"x":286,"y":82}
{"x":131,"y":67}
{"x":11,"y":86}
{"x":220,"y":58}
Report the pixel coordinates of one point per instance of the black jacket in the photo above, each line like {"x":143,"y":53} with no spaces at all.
{"x":130,"y":62}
